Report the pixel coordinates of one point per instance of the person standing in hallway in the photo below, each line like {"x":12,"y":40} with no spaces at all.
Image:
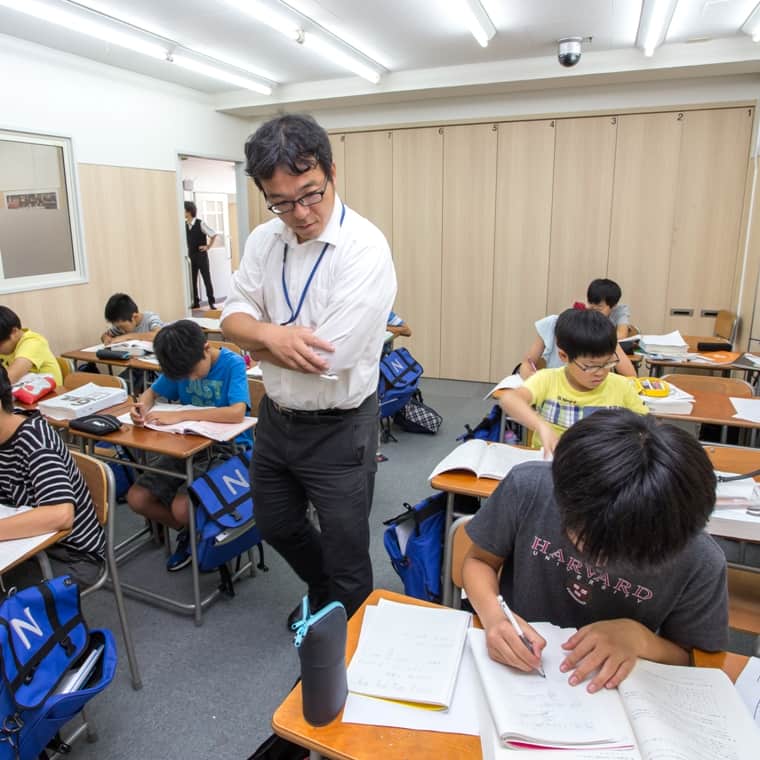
{"x":200,"y":238}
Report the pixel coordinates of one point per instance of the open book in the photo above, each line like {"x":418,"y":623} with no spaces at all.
{"x":659,"y":711}
{"x":486,"y":460}
{"x":217,"y":431}
{"x":12,"y":550}
{"x":408,"y":653}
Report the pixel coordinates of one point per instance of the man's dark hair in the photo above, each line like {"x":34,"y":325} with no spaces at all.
{"x":294,"y":143}
{"x":584,"y":332}
{"x":178,"y":348}
{"x":191,"y":209}
{"x":8,"y":320}
{"x":604,"y":291}
{"x":120,"y":308}
{"x":631,"y":490}
{"x":6,"y":391}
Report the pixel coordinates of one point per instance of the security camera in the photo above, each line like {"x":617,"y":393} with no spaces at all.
{"x":569,"y":51}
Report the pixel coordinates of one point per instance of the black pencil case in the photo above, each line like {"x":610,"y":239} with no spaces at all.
{"x":112,"y":353}
{"x":713,"y":346}
{"x":96,"y":424}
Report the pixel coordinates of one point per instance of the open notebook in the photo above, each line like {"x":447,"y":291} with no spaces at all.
{"x":485,"y":460}
{"x":659,"y":712}
{"x":217,"y":431}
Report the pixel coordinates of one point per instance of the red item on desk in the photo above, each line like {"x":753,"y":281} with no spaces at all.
{"x":33,"y":387}
{"x":579,"y":305}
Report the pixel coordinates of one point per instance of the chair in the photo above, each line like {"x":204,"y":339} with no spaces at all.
{"x":226,"y":344}
{"x":212,"y":313}
{"x":256,"y":390}
{"x":726,"y":324}
{"x":730,"y":386}
{"x":744,"y":602}
{"x":78,"y":379}
{"x":457,"y":546}
{"x":66,"y":366}
{"x":100,"y":483}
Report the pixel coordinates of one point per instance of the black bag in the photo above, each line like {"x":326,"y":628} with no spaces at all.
{"x":113,"y":353}
{"x":417,"y":417}
{"x":277,"y":748}
{"x":96,"y":424}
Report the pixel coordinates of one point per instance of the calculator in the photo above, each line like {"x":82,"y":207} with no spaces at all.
{"x":652,"y":386}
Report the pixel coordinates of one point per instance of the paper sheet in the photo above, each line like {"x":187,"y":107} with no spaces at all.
{"x":748,"y":686}
{"x":510,"y":381}
{"x":746,"y":408}
{"x":13,"y":549}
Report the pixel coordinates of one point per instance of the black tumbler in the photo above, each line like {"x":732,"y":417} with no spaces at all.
{"x":321,"y":643}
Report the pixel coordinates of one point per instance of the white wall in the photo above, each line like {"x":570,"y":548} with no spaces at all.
{"x":209,"y":176}
{"x":115,"y":117}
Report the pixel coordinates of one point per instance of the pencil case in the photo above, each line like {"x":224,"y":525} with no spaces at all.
{"x":714,"y":346}
{"x":321,"y":644}
{"x":112,"y":353}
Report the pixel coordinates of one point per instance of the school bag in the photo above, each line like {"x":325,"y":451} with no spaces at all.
{"x":225,"y":524}
{"x":418,"y":417}
{"x":399,"y":374}
{"x":43,"y":640}
{"x":488,"y":428}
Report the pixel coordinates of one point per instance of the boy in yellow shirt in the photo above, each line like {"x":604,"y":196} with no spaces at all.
{"x":23,"y":351}
{"x":586,"y":342}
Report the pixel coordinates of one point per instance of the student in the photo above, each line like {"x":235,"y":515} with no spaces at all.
{"x":23,"y":351}
{"x":192,"y":373}
{"x":37,"y":470}
{"x":586,"y":346}
{"x":608,"y":538}
{"x":602,"y":296}
{"x":127,"y":321}
{"x":200,"y":238}
{"x":398,"y":326}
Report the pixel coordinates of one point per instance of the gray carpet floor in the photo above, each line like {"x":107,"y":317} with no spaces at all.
{"x":210,"y":691}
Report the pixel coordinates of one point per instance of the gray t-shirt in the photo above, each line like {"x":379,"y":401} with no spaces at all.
{"x":150,"y":321}
{"x":545,"y":577}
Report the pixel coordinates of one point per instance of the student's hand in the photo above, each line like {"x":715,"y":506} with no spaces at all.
{"x":549,"y":440}
{"x":164,"y":418}
{"x":136,"y":414}
{"x":505,"y":646}
{"x":294,"y":347}
{"x":106,"y":339}
{"x":609,"y":646}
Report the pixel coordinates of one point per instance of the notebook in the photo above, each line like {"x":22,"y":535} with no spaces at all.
{"x":217,"y":431}
{"x":485,"y":460}
{"x":662,"y":711}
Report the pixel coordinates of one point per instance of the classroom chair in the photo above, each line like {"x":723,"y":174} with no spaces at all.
{"x":726,"y":324}
{"x":78,"y":379}
{"x":744,"y":602}
{"x":212,"y":313}
{"x":66,"y":366}
{"x":100,"y":483}
{"x":730,"y":386}
{"x":256,"y":391}
{"x":226,"y":344}
{"x":457,"y":546}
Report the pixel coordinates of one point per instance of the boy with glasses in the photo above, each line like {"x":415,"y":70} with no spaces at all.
{"x":586,"y":343}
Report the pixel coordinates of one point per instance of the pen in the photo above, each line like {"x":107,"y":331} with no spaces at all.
{"x":525,"y":640}
{"x":532,"y":365}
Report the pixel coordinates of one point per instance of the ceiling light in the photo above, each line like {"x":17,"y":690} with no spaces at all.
{"x":477,"y":21}
{"x":334,"y":54}
{"x":215,"y":73}
{"x":752,"y":25}
{"x":267,"y":16}
{"x":78,"y":23}
{"x":656,"y":16}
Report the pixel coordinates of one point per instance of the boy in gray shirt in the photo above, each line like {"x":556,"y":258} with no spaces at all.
{"x":127,"y":320}
{"x":608,"y":538}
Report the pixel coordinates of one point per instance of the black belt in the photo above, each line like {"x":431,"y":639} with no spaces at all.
{"x":310,"y":413}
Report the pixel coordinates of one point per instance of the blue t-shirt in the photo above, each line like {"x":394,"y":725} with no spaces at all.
{"x":226,"y":384}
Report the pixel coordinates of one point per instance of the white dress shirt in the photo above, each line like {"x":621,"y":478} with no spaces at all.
{"x":347,"y":304}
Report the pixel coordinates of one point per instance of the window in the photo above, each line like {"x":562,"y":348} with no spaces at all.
{"x":40,"y":239}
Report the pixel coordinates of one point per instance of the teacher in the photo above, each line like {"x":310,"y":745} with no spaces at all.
{"x":310,"y":301}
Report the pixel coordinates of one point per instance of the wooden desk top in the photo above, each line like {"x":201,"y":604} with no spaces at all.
{"x":90,"y":356}
{"x":465,"y":483}
{"x":734,"y":458}
{"x":712,"y":408}
{"x":361,"y":742}
{"x":731,"y":663}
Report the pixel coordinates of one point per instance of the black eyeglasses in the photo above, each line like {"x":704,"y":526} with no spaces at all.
{"x":591,"y":368}
{"x":310,"y":199}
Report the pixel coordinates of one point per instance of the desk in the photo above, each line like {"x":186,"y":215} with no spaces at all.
{"x":352,"y":741}
{"x":710,"y":408}
{"x":656,"y":366}
{"x":39,"y":546}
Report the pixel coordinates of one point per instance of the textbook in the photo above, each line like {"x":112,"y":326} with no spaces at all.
{"x":670,"y":345}
{"x":486,"y":460}
{"x":408,"y":653}
{"x":659,"y":711}
{"x":676,"y":402}
{"x":87,"y":399}
{"x":217,"y":431}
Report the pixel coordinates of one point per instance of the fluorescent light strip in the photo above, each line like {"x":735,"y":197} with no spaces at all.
{"x":656,"y":16}
{"x":752,"y":25}
{"x":267,"y":16}
{"x":477,"y":21}
{"x":211,"y":71}
{"x":331,"y":53}
{"x":83,"y":25}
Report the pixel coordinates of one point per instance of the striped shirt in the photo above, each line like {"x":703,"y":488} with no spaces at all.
{"x":36,"y":469}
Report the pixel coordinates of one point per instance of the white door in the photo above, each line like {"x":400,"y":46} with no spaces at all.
{"x":214,"y":210}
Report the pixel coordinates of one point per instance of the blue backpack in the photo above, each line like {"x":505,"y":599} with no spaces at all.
{"x":43,"y":638}
{"x":399,"y":375}
{"x":224,"y":521}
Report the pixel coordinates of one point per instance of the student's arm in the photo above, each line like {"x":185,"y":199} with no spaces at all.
{"x":142,"y":406}
{"x":480,"y":575}
{"x":400,"y":331}
{"x":531,"y":357}
{"x":516,"y":403}
{"x":209,"y":243}
{"x":18,"y":368}
{"x":622,"y":332}
{"x":624,"y":366}
{"x":612,"y":646}
{"x":233,"y":413}
{"x":48,"y":519}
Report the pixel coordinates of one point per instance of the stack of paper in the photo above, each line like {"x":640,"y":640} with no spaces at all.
{"x":87,"y":399}
{"x":676,"y":402}
{"x":670,"y":345}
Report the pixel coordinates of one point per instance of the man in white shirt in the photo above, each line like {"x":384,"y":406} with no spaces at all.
{"x":311,"y":300}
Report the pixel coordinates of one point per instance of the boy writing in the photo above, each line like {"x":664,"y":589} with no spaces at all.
{"x":603,"y":296}
{"x":127,"y":321}
{"x":586,"y":344}
{"x":192,"y":373}
{"x":608,"y":538}
{"x":23,"y":351}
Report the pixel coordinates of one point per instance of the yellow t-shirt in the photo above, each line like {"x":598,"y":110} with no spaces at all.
{"x":35,"y":349}
{"x":561,"y":405}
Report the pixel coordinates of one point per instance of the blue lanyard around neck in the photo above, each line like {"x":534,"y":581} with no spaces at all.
{"x":294,"y":315}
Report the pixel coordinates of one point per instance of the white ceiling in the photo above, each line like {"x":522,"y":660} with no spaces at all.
{"x":422,"y":44}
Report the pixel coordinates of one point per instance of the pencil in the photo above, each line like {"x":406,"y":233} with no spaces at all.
{"x":525,"y":640}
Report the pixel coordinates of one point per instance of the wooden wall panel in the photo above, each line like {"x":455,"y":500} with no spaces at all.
{"x":469,"y":189}
{"x":643,"y":206}
{"x":580,"y":233}
{"x":369,"y":177}
{"x":521,"y":251}
{"x":131,"y":231}
{"x":416,"y":245}
{"x":710,"y":198}
{"x":338,"y":145}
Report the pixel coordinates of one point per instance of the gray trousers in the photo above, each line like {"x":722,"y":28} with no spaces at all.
{"x":328,"y":460}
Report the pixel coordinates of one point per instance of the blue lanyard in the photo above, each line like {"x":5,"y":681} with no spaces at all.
{"x":294,"y":315}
